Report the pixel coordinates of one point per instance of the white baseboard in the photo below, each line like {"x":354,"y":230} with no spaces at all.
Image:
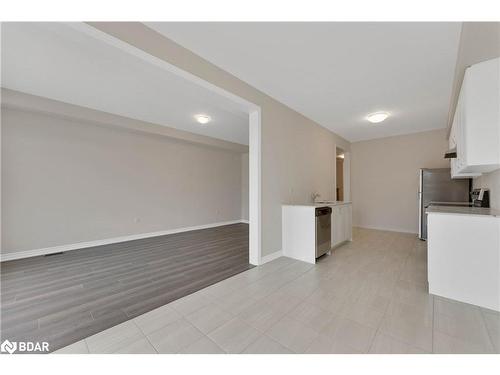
{"x":398,"y":230}
{"x":244,"y":221}
{"x":271,"y":257}
{"x":82,"y":245}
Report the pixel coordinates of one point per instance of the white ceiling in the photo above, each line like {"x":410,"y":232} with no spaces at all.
{"x":337,"y":73}
{"x":57,"y":61}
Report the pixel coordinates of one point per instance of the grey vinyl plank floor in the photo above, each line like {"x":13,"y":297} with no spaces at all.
{"x":66,"y":297}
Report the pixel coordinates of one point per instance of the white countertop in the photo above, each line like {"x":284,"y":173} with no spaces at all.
{"x":463,"y":210}
{"x":324,"y":204}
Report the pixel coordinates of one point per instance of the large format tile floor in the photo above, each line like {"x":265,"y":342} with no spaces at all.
{"x":368,"y":297}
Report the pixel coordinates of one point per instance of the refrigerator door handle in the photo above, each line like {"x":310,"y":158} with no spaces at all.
{"x":419,"y":198}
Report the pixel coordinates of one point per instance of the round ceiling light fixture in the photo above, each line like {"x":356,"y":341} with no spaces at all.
{"x":377,"y":117}
{"x":202,"y":119}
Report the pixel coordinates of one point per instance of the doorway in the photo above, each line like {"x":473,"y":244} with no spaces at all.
{"x":339,"y":177}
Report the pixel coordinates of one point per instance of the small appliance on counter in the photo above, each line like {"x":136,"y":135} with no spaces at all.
{"x":480,"y":197}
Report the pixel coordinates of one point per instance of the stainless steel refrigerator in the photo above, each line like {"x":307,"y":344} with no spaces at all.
{"x":436,"y":186}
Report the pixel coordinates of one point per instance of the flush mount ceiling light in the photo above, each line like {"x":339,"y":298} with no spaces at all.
{"x":377,"y":117}
{"x":202,"y":119}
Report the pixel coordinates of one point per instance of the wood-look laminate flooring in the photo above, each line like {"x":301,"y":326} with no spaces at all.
{"x":66,"y":297}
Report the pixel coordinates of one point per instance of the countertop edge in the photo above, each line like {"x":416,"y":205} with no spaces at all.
{"x":492,"y":214}
{"x":316,"y":205}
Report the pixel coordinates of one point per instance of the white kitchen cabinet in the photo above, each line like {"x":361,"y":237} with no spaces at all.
{"x":336,"y":225}
{"x":456,"y":142}
{"x":348,"y":221}
{"x":463,"y":258}
{"x":299,"y":228}
{"x":475,"y":132}
{"x":299,"y":232}
{"x":341,"y":224}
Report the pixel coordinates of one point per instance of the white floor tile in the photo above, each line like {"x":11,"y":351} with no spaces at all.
{"x":266,"y":345}
{"x":220,"y":289}
{"x":409,"y":324}
{"x":492,"y":321}
{"x":348,"y":334}
{"x":445,"y":344}
{"x":209,"y":318}
{"x":311,"y":315}
{"x":469,"y":329}
{"x":114,"y":338}
{"x":203,"y":346}
{"x":191,"y":303}
{"x":363,"y":313}
{"x":461,"y":321}
{"x":261,"y":315}
{"x":174,"y":337}
{"x":383,"y":344}
{"x":292,"y":334}
{"x":324,"y":344}
{"x":141,"y":346}
{"x":234,"y":336}
{"x":235,"y":302}
{"x":156,"y":319}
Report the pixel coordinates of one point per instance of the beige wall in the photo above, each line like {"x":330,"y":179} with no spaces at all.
{"x":384,"y":178}
{"x":67,"y":181}
{"x":479,"y":41}
{"x":297,"y":155}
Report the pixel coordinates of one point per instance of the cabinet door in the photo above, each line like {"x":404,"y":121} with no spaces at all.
{"x":452,"y":142}
{"x":476,"y":122}
{"x":342,"y":226}
{"x":481,"y":117}
{"x":457,"y":139}
{"x":460,"y":131}
{"x":347,"y":223}
{"x":335,"y":225}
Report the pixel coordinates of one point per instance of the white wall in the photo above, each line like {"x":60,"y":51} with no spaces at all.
{"x":490,"y":181}
{"x":384,"y":178}
{"x":66,"y":181}
{"x":244,"y":186}
{"x":479,"y":41}
{"x":297,"y":155}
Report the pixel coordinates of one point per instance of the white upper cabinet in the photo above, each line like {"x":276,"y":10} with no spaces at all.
{"x":475,"y":131}
{"x":456,"y":141}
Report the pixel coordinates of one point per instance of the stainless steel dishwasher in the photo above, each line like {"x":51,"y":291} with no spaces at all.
{"x":323,"y":230}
